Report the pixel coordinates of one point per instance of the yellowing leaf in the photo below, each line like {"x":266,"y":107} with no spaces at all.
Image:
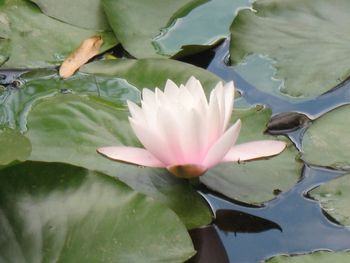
{"x":89,"y":48}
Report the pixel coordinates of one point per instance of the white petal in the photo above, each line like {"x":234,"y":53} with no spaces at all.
{"x":148,"y":96}
{"x":193,"y":137}
{"x":135,"y":111}
{"x":229,"y":100}
{"x":131,"y":155}
{"x":152,"y":141}
{"x":213,"y":128}
{"x":169,"y":128}
{"x":222,"y":146}
{"x":195,"y":88}
{"x":254,"y":150}
{"x":171,"y":89}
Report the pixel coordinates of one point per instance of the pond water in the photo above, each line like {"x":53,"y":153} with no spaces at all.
{"x":292,"y":223}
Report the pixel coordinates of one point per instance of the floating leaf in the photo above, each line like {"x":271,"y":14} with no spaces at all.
{"x":295,"y":33}
{"x":69,"y":128}
{"x":13,"y":146}
{"x":325,"y":142}
{"x":88,"y":49}
{"x":257,"y":181}
{"x":334,"y":198}
{"x":69,"y":119}
{"x":60,"y":213}
{"x":200,"y":29}
{"x":151,"y":73}
{"x":174,"y":28}
{"x":136,"y":23}
{"x":82,"y":13}
{"x":38,"y":85}
{"x":316,"y":257}
{"x":35,"y":40}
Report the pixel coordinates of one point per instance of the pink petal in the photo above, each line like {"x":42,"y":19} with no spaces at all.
{"x":254,"y":150}
{"x":222,"y":146}
{"x":229,"y":100}
{"x":132,"y":155}
{"x":152,"y":141}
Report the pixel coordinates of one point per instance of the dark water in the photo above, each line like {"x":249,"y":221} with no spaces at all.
{"x":292,"y":223}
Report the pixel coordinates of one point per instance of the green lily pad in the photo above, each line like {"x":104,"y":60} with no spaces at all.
{"x":334,"y":198}
{"x":316,"y":257}
{"x":325,"y":142}
{"x":151,"y":73}
{"x":136,"y":23}
{"x":53,"y":212}
{"x":67,"y":120}
{"x":69,"y":128}
{"x":295,"y":33}
{"x":13,"y":147}
{"x":203,"y":26}
{"x":38,"y":85}
{"x":158,"y":28}
{"x":82,"y":13}
{"x":258,"y":70}
{"x":34,"y":40}
{"x":257,"y":181}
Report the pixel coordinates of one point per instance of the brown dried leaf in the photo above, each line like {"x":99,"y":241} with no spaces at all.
{"x":89,"y":48}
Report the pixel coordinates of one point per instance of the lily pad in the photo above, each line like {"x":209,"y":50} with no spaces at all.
{"x":53,"y":212}
{"x":69,"y":128}
{"x":82,"y":13}
{"x":257,"y":181}
{"x":334,"y":198}
{"x":316,"y":257}
{"x":173,"y":27}
{"x":295,"y":33}
{"x":68,"y":119}
{"x":13,"y":146}
{"x":202,"y":27}
{"x":35,"y":40}
{"x":37,"y":85}
{"x":151,"y":73}
{"x":136,"y":23}
{"x":325,"y":142}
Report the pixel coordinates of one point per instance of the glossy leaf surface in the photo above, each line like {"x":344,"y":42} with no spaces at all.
{"x":295,"y":33}
{"x":28,"y":40}
{"x":260,"y":180}
{"x":57,"y":212}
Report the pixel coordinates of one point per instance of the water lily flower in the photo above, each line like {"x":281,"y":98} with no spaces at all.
{"x":184,"y":133}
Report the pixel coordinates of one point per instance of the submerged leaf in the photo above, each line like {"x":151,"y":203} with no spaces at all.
{"x":88,"y":49}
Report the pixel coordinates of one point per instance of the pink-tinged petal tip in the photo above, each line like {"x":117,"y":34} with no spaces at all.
{"x":187,"y":171}
{"x":254,"y":150}
{"x":131,"y":155}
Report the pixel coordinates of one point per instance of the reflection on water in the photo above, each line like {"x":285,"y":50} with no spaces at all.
{"x":240,"y":222}
{"x":292,"y":223}
{"x":289,"y":224}
{"x":313,"y":108}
